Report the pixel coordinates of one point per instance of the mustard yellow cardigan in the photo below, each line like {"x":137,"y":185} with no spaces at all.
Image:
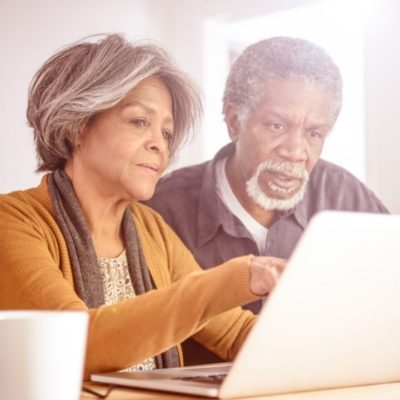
{"x":35,"y":273}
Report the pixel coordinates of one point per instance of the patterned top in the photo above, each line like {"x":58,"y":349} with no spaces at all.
{"x":117,"y":286}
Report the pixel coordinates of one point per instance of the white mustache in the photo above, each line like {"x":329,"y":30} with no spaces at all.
{"x":291,"y":169}
{"x":294,"y":170}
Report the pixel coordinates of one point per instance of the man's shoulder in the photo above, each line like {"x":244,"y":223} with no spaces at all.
{"x":178,"y":190}
{"x":327,"y":175}
{"x":182,"y":179}
{"x":330,"y":171}
{"x":334,"y":187}
{"x":177,"y":195}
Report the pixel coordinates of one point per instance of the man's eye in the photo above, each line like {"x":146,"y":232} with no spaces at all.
{"x":315,"y":134}
{"x":278,"y":126}
{"x":139,"y":122}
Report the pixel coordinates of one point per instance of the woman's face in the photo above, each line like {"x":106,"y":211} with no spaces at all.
{"x":123,"y":151}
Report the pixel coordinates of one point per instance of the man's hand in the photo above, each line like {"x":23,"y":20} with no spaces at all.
{"x":264,"y":273}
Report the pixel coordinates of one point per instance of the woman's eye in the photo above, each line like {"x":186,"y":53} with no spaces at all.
{"x":167,"y":136}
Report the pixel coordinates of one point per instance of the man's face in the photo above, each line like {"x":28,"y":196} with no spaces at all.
{"x":280,"y":142}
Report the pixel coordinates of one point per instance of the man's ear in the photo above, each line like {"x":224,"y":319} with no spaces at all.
{"x":232,"y":121}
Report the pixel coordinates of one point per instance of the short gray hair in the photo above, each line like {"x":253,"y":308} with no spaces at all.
{"x":280,"y":58}
{"x":91,"y":76}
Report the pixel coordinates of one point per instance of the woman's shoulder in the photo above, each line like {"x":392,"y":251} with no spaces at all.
{"x":142,"y":211}
{"x":151,"y":225}
{"x":27,"y":204}
{"x":147,"y":216}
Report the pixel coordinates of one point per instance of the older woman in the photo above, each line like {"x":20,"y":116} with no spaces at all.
{"x":107,"y":116}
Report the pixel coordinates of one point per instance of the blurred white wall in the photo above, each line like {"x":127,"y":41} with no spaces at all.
{"x":382,"y":105}
{"x":30,"y":31}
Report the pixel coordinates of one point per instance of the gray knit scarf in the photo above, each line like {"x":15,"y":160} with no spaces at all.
{"x":86,"y":273}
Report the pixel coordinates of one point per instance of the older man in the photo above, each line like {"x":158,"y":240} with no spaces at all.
{"x":257,"y":195}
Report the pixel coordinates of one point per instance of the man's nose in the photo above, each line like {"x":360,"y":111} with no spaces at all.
{"x":293,"y":146}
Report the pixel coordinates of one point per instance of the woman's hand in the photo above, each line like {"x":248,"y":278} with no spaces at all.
{"x":264,"y":273}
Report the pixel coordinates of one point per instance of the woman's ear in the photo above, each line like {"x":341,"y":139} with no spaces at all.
{"x":232,"y":121}
{"x":78,"y":137}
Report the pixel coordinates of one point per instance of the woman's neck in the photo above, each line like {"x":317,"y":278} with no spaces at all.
{"x":103,"y":214}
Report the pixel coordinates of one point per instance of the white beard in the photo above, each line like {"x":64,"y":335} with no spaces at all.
{"x":256,"y":193}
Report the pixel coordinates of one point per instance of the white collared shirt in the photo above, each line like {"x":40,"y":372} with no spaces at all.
{"x":258,"y":232}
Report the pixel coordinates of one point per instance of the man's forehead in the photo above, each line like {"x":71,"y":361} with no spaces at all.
{"x":291,"y":89}
{"x":301,"y":83}
{"x":308,"y":102}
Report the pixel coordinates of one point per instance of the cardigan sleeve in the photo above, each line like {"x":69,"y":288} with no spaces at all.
{"x":223,"y":334}
{"x":35,"y":274}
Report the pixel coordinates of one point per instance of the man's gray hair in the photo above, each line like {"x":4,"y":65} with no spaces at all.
{"x":280,"y":58}
{"x":91,"y":76}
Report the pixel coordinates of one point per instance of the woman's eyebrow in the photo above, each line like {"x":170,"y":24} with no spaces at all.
{"x":129,"y":104}
{"x":146,"y":108}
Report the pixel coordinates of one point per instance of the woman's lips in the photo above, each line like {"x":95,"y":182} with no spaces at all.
{"x":151,"y":167}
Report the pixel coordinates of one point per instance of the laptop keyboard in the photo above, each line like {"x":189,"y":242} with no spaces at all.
{"x":214,"y":378}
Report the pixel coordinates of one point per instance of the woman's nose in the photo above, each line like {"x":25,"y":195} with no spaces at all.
{"x":157,"y":141}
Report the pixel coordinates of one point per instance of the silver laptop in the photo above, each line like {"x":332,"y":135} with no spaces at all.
{"x":332,"y":321}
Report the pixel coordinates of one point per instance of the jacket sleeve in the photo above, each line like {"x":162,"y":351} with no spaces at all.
{"x":35,"y":275}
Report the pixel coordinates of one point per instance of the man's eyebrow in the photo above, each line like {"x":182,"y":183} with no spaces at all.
{"x":276,"y":114}
{"x":285,"y":116}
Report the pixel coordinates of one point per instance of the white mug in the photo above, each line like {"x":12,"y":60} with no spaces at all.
{"x":42,"y":354}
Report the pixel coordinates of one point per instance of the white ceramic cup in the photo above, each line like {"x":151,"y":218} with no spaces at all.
{"x":42,"y":354}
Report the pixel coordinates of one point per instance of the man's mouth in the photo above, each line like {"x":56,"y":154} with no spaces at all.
{"x":277,"y":185}
{"x":282,"y":182}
